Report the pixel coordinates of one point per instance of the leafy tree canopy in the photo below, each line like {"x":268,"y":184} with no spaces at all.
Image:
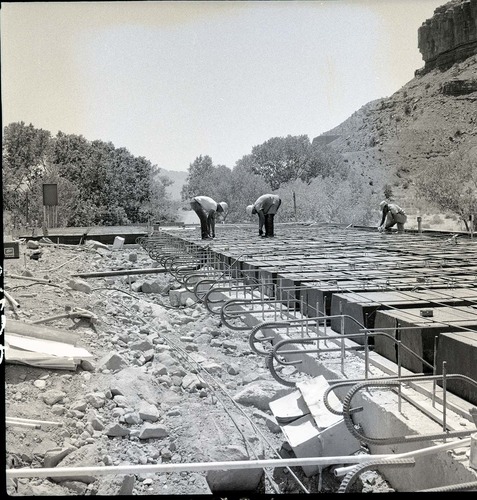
{"x":97,"y":183}
{"x":451,"y":184}
{"x":282,"y":159}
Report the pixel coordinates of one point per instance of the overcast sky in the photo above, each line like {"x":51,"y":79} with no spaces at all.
{"x":174,"y":80}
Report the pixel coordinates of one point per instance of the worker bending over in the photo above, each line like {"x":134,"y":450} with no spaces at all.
{"x":265,"y":207}
{"x":207,"y":209}
{"x":392,"y":214}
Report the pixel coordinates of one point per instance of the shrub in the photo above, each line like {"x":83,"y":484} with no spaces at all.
{"x":436,"y":219}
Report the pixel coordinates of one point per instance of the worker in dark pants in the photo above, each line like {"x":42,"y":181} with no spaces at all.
{"x":392,"y":215}
{"x":265,"y":207}
{"x":207,"y":209}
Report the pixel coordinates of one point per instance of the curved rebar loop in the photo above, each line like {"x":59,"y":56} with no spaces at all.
{"x":415,"y":377}
{"x":274,"y":354}
{"x":257,"y":342}
{"x":347,"y":411}
{"x":159,"y":254}
{"x":141,"y":241}
{"x":308,"y":323}
{"x":215,"y":306}
{"x":188,"y":280}
{"x":173,"y":261}
{"x":210,"y":303}
{"x":353,"y":474}
{"x":279,"y":356}
{"x":229,"y":315}
{"x":159,"y":248}
{"x":269,"y":362}
{"x":182,"y":268}
{"x":234,"y":314}
{"x":156,"y":246}
{"x":206,"y":282}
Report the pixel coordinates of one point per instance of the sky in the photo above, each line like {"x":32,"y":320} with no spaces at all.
{"x":173,"y":80}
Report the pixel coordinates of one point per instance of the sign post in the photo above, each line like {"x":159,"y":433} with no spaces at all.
{"x":50,"y":205}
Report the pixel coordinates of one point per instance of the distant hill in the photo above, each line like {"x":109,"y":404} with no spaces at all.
{"x":427,"y":119}
{"x":178,"y":179}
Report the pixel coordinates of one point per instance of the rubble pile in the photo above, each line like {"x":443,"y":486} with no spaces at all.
{"x":153,"y":382}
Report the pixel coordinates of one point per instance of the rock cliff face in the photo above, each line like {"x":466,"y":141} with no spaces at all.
{"x":429,"y":119}
{"x":449,"y":36}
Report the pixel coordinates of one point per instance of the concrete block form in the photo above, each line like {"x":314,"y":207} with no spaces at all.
{"x":118,"y":243}
{"x":420,"y":334}
{"x":459,"y":351}
{"x":366,"y":261}
{"x":267,"y":277}
{"x":310,"y":429}
{"x":362,"y":306}
{"x":289,"y":407}
{"x":314,"y":264}
{"x":322,"y":291}
{"x":304,"y":438}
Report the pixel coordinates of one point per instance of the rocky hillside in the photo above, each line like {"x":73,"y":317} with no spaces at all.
{"x":428,"y":118}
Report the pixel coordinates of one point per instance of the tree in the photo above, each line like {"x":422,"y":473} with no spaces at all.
{"x":68,"y":197}
{"x":25,"y":153}
{"x":282,"y":159}
{"x":323,"y":162}
{"x":451,"y":184}
{"x":199,"y":178}
{"x":244,"y":188}
{"x":159,"y":206}
{"x":73,"y":155}
{"x":329,"y":199}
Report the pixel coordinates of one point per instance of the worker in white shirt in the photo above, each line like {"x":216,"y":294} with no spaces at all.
{"x":392,"y":214}
{"x":266,"y":206}
{"x":207,"y":209}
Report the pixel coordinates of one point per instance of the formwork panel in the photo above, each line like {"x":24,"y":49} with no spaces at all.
{"x":419,"y":334}
{"x":459,"y":351}
{"x":363,"y":306}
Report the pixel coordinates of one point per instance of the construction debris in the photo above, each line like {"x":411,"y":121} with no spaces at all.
{"x":26,"y":343}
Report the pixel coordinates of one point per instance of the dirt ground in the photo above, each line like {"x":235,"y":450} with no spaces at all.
{"x":163,"y":384}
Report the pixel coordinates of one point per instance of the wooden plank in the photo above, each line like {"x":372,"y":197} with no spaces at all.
{"x":40,"y":332}
{"x":48,"y":347}
{"x":37,"y":359}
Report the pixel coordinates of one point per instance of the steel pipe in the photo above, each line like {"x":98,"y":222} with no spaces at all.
{"x":122,"y":272}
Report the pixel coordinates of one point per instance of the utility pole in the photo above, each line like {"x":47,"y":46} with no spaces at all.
{"x":294,"y":204}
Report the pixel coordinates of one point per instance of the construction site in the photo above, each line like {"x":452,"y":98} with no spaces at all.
{"x":155,"y":340}
{"x":352,"y":350}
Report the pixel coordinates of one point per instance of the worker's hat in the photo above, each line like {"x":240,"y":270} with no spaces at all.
{"x":249,"y":210}
{"x":382,"y":204}
{"x":223,"y":207}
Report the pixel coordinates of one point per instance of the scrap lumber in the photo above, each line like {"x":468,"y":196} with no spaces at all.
{"x":17,"y":327}
{"x":16,"y":356}
{"x":42,"y":346}
{"x":43,"y":353}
